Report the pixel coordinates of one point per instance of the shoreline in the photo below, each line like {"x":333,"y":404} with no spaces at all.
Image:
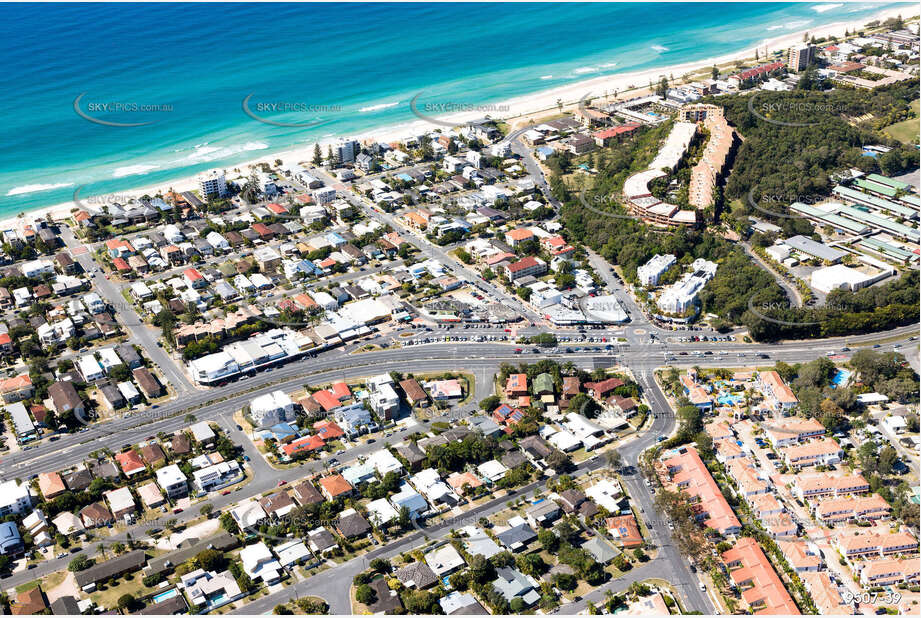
{"x":520,"y":109}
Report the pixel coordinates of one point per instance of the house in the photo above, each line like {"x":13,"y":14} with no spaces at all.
{"x":417,"y":575}
{"x":260,"y":564}
{"x":65,"y":399}
{"x":321,"y":541}
{"x":444,"y":560}
{"x":517,"y":538}
{"x":95,"y":515}
{"x":625,"y":530}
{"x":10,"y":539}
{"x":51,"y":485}
{"x":388,"y":601}
{"x":351,"y":524}
{"x":600,"y":550}
{"x":414,"y":393}
{"x":516,"y":386}
{"x":461,"y":603}
{"x":334,"y":486}
{"x":292,"y":553}
{"x":29,"y":603}
{"x":121,"y":502}
{"x":542,"y":514}
{"x":409,"y":499}
{"x":207,"y":588}
{"x":513,"y":584}
{"x":492,"y":470}
{"x":306,"y":494}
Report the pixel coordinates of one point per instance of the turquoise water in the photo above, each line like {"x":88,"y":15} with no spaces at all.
{"x":198,"y":62}
{"x":841,"y":378}
{"x":729,"y":400}
{"x":163,"y":596}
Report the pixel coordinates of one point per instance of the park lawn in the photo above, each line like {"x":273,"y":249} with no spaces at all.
{"x":130,"y":584}
{"x":907,"y":130}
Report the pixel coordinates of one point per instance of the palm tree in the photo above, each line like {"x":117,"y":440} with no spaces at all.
{"x":101,"y":548}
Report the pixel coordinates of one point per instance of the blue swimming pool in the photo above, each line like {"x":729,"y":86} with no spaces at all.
{"x":163,"y":596}
{"x":729,"y":400}
{"x":841,"y":378}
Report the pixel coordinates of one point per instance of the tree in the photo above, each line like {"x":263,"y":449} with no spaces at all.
{"x":282,"y":610}
{"x":887,"y":457}
{"x":365,"y":594}
{"x":481,"y":570}
{"x":317,"y":155}
{"x":210,"y":560}
{"x":549,"y":541}
{"x":206,"y":510}
{"x":126,"y":602}
{"x":79,"y":563}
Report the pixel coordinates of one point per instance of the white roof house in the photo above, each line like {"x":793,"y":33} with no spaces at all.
{"x":292,"y":552}
{"x":381,"y":512}
{"x":430,"y":484}
{"x":444,"y":560}
{"x":384,"y":462}
{"x":260,"y":564}
{"x":90,"y":368}
{"x":202,"y":431}
{"x":492,"y":470}
{"x":605,"y":493}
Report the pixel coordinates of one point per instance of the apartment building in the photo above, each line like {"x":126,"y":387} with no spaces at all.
{"x":792,"y":430}
{"x":800,"y":57}
{"x":212,"y":184}
{"x":712,"y":165}
{"x":818,"y":452}
{"x":825,"y":485}
{"x":760,"y":587}
{"x":649,"y":273}
{"x":776,"y":390}
{"x":873,"y":545}
{"x":688,"y":473}
{"x":835,"y":510}
{"x":890,"y":572}
{"x":522,"y":268}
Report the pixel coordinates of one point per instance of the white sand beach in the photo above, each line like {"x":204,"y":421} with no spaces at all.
{"x":517,"y":108}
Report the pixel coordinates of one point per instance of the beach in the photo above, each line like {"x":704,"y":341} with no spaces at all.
{"x":516,"y":111}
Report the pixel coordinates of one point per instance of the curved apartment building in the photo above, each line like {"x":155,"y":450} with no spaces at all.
{"x":640,"y":200}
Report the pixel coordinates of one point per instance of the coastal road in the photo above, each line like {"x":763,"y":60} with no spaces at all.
{"x":335,"y":365}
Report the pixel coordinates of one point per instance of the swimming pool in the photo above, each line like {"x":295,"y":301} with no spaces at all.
{"x":163,"y":596}
{"x":841,"y":378}
{"x":729,"y":400}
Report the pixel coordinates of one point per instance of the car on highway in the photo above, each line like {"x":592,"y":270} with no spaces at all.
{"x":282,"y":483}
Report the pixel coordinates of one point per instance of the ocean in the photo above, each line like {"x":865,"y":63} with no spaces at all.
{"x":165,"y":83}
